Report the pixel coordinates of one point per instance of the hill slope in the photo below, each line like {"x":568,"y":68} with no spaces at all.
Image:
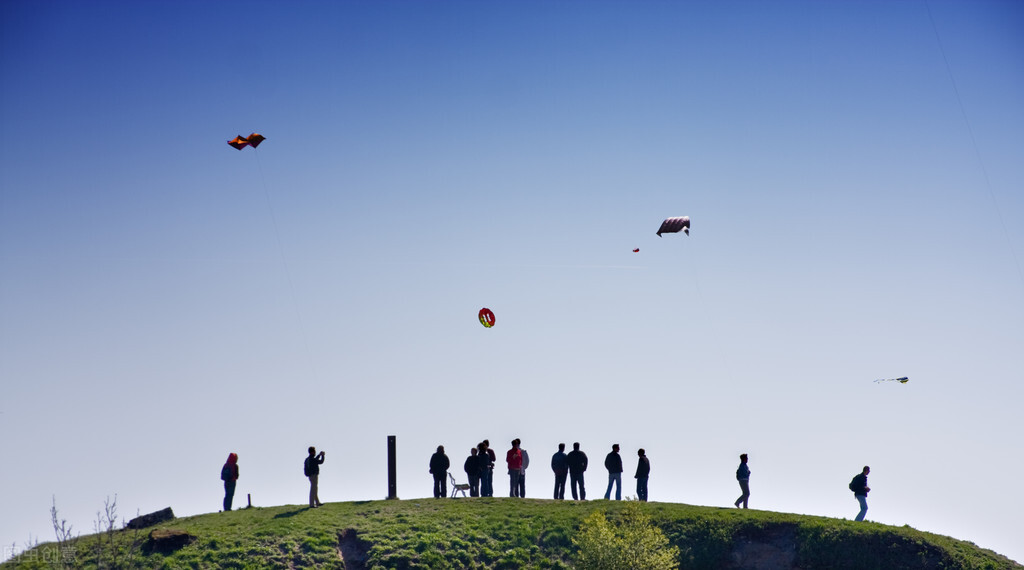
{"x":500,"y":533}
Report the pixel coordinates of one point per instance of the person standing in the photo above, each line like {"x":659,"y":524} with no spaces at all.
{"x":613,"y":463}
{"x":743,"y":476}
{"x":522,"y":472}
{"x":514,"y":460}
{"x":472,"y":469}
{"x":561,"y":469}
{"x":229,"y":474}
{"x":576,"y":460}
{"x":439,"y":465}
{"x":487,"y":479}
{"x":312,"y":470}
{"x":643,"y":472}
{"x":859,"y":486}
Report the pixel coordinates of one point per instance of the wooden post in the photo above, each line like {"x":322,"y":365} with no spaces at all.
{"x":392,"y":469}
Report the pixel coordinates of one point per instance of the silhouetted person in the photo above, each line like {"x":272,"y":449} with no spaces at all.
{"x":561,"y":469}
{"x":472,"y":469}
{"x":522,"y":472}
{"x":487,"y":479}
{"x":643,"y":472}
{"x":743,"y":476}
{"x":312,"y":470}
{"x":229,"y":474}
{"x":859,"y":486}
{"x":514,"y":460}
{"x":439,"y":465}
{"x":613,"y":463}
{"x":577,"y":463}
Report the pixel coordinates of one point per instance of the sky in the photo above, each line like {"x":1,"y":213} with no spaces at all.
{"x":852,"y":170}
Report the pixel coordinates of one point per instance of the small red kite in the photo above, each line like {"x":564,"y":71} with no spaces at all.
{"x":486,"y":317}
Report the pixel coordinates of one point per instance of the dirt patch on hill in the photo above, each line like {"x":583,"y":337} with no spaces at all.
{"x":354,"y":551}
{"x":773,"y":549}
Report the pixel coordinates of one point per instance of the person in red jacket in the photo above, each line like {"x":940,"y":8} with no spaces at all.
{"x":514,"y":459}
{"x":229,"y":474}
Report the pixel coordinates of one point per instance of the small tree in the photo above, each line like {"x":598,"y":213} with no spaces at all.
{"x":633,"y":542}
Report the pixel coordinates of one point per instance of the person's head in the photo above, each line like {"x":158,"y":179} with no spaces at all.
{"x":743,"y":458}
{"x":312,"y":450}
{"x":561,"y":447}
{"x":232,"y":458}
{"x":487,"y":442}
{"x":576,"y":446}
{"x":481,"y":447}
{"x":615,"y":447}
{"x":515,"y":443}
{"x":866,"y":470}
{"x":641,"y":452}
{"x":440,"y":449}
{"x":472,"y":451}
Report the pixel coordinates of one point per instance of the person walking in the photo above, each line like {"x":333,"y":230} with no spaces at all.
{"x":472,"y":469}
{"x":514,"y":460}
{"x":312,"y":470}
{"x":643,"y":472}
{"x":576,"y":460}
{"x":561,"y":469}
{"x":439,"y":465}
{"x":859,"y":486}
{"x":229,"y":474}
{"x":613,"y":463}
{"x":743,"y":476}
{"x":522,"y":472}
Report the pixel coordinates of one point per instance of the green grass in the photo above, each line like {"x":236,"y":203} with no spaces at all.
{"x":501,"y":533}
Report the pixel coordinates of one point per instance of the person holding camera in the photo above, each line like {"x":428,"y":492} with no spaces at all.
{"x":312,"y":470}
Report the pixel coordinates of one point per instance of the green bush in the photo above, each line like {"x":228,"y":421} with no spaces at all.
{"x":634,"y":542}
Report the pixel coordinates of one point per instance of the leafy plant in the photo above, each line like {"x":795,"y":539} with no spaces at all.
{"x":633,"y":542}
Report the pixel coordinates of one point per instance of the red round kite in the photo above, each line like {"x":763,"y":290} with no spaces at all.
{"x":486,"y":317}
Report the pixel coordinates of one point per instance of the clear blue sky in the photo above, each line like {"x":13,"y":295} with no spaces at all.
{"x":854,"y":175}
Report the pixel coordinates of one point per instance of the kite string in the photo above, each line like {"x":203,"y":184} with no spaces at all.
{"x":284,"y":261}
{"x":974,"y":143}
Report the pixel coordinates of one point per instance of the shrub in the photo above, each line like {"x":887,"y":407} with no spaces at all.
{"x":634,"y":542}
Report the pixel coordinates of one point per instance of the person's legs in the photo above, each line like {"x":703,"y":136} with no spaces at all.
{"x":574,"y":481}
{"x":618,"y":486}
{"x":487,"y":483}
{"x":522,"y":484}
{"x":474,"y":485}
{"x":863,"y":500}
{"x":314,"y":497}
{"x":513,"y":483}
{"x":745,"y":493}
{"x":641,"y":488}
{"x":229,"y":494}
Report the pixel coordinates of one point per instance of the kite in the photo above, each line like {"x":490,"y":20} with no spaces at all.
{"x":901,"y":380}
{"x":486,"y":317}
{"x":637,"y":250}
{"x":673,"y":225}
{"x":252,"y":140}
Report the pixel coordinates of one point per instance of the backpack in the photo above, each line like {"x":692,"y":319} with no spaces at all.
{"x":305,"y":467}
{"x":225,"y":472}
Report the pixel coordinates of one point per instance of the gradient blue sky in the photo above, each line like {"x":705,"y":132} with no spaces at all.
{"x":854,"y":175}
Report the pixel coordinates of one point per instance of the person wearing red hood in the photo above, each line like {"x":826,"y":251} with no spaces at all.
{"x":229,"y":474}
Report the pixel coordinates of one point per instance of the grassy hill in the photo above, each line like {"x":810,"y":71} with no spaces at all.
{"x":500,"y":533}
